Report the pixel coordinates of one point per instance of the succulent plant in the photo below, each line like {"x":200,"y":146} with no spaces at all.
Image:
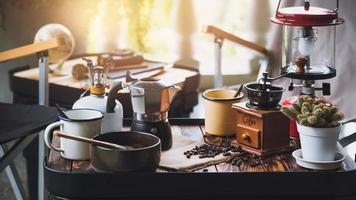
{"x":314,"y":112}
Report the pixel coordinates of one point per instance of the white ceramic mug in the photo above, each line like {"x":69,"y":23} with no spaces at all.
{"x":220,"y":118}
{"x":81,"y":122}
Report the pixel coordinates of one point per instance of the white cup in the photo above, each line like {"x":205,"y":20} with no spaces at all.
{"x":81,"y":122}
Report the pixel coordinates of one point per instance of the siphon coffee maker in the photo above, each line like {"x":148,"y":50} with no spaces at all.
{"x":151,"y":99}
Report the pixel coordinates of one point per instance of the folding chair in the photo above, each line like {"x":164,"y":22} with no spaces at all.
{"x":20,"y":123}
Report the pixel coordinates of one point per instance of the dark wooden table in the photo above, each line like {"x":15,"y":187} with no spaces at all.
{"x":65,"y":90}
{"x":278,"y":176}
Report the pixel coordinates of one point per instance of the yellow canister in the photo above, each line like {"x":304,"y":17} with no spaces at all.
{"x":220,"y":118}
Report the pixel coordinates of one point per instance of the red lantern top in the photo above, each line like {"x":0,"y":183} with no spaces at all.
{"x":307,"y":16}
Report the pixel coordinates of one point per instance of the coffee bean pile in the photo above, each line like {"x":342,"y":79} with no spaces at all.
{"x":235,"y":156}
{"x":212,"y":150}
{"x":249,"y":159}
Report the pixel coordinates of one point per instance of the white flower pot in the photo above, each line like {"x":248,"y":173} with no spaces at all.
{"x":318,"y":144}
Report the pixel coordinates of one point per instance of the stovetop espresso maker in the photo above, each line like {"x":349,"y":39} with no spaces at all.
{"x":151,"y":99}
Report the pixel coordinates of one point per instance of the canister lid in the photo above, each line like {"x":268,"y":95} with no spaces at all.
{"x":307,"y":16}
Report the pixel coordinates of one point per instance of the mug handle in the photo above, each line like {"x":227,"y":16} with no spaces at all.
{"x":48,"y":132}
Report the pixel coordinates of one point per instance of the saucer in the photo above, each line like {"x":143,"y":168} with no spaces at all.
{"x":319,"y":165}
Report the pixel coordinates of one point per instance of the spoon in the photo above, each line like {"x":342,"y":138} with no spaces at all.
{"x":239,"y":91}
{"x":61,"y":112}
{"x":108,"y":145}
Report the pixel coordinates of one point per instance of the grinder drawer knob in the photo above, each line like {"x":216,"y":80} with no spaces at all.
{"x":246,"y":137}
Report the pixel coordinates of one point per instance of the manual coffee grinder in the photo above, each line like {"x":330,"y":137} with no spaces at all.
{"x":261,"y":127}
{"x":151,"y":99}
{"x":305,"y":57}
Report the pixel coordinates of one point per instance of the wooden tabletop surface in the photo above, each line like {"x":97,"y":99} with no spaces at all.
{"x":283,"y":162}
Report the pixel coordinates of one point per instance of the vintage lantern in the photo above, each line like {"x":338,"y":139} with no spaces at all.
{"x":304,"y":55}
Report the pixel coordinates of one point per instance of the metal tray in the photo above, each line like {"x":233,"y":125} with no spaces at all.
{"x":203,"y":185}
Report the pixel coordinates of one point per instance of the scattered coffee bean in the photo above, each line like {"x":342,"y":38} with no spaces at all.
{"x":212,"y":150}
{"x":247,"y":159}
{"x":238,"y":163}
{"x":226,"y":154}
{"x":252,"y":164}
{"x":235,"y":155}
{"x":235,"y":149}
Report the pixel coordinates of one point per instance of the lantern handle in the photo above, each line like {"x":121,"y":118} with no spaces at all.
{"x":337,"y":6}
{"x":279,"y":3}
{"x":336,"y":9}
{"x":306,"y":5}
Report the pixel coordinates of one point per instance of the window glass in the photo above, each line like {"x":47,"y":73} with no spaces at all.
{"x":151,"y":28}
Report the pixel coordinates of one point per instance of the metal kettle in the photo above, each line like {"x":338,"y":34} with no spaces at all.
{"x":150,"y":98}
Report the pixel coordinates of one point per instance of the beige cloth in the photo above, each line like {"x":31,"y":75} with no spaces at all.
{"x":174,"y":159}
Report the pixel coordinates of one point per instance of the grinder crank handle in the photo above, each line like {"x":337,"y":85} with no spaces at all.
{"x":265,"y":77}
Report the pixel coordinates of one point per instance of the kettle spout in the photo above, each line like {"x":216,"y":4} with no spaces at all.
{"x":173,"y":90}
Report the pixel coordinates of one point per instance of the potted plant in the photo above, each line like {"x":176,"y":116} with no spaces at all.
{"x":318,"y":126}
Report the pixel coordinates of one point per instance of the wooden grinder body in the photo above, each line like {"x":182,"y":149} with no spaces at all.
{"x":261,"y":132}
